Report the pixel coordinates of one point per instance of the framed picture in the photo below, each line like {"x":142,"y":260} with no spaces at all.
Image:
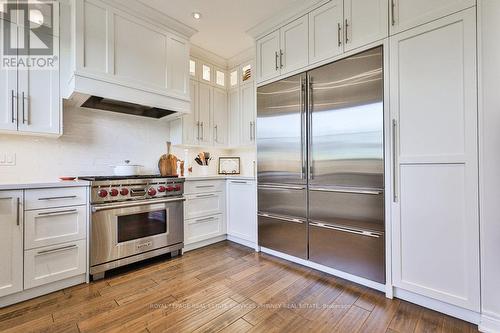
{"x":229,"y":165}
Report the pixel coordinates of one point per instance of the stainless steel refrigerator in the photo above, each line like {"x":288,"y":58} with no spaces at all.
{"x":320,"y":154}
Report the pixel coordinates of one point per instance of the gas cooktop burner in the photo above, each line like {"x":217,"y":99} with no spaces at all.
{"x":101,"y":178}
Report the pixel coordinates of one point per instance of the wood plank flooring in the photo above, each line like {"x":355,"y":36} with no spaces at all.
{"x":224,"y":287}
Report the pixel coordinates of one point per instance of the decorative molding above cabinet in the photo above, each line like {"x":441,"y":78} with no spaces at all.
{"x":117,"y":54}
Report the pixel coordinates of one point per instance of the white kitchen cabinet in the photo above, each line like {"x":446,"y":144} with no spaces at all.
{"x":435,"y":208}
{"x":54,"y":263}
{"x":294,"y":51}
{"x":220,"y":117}
{"x":365,"y":21}
{"x":31,"y":100}
{"x":11,"y":242}
{"x":248,"y":114}
{"x":268,"y":53}
{"x":204,"y":212}
{"x":242,"y":208}
{"x":326,"y":31}
{"x":189,"y":122}
{"x":406,"y":14}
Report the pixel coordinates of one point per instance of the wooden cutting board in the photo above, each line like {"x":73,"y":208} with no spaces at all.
{"x":168,"y":163}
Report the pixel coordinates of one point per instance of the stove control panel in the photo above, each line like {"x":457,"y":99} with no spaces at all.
{"x":137,"y":189}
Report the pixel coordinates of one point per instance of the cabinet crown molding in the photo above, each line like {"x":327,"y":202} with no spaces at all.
{"x":287,"y":15}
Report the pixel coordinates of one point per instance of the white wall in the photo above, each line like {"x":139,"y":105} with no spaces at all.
{"x":92,"y":142}
{"x":489,"y":11}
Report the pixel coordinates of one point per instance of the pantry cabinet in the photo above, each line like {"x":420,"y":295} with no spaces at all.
{"x":406,"y":14}
{"x":434,"y":135}
{"x":247,"y":114}
{"x":30,"y":97}
{"x":11,"y":242}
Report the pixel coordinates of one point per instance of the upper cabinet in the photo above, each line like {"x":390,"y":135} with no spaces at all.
{"x":329,"y":30}
{"x":406,"y":14}
{"x":365,"y":21}
{"x":29,"y":96}
{"x":121,"y":55}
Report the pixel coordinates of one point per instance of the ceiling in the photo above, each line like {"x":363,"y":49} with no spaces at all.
{"x":223,"y":24}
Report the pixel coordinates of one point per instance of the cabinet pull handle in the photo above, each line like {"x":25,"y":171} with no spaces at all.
{"x":393,"y":7}
{"x":58,"y":198}
{"x":281,"y":218}
{"x":206,"y":219}
{"x":394,"y":161}
{"x":281,"y":58}
{"x":25,"y":119}
{"x":343,"y":229}
{"x":216,"y":134}
{"x":18,"y":203}
{"x":238,"y":182}
{"x":61,"y":212}
{"x":13,"y":97}
{"x":205,"y":195}
{"x":339,"y":32}
{"x":202,"y":132}
{"x":346,"y":31}
{"x":58,"y":249}
{"x":205,"y":186}
{"x":276,"y":60}
{"x":347,"y":191}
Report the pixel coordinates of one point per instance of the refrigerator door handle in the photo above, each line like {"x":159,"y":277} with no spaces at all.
{"x":282,"y":187}
{"x":303,"y":141}
{"x":309,"y":124}
{"x":281,"y":218}
{"x":344,"y":190}
{"x":343,"y":229}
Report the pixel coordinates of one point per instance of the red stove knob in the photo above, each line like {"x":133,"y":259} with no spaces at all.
{"x":124,"y":191}
{"x":161,"y":189}
{"x":170,"y":189}
{"x":151,"y":192}
{"x":177,"y":187}
{"x":113,"y":192}
{"x":102,"y":193}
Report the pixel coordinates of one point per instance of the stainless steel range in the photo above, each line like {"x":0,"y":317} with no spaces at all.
{"x":134,"y":218}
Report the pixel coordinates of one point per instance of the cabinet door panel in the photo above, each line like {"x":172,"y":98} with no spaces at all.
{"x":267,"y":56}
{"x":242,"y":210}
{"x":247,"y":108}
{"x":204,"y":113}
{"x":294,"y":45}
{"x":410,"y":13}
{"x":325,"y":31}
{"x":95,"y":22}
{"x":40,"y":105}
{"x":366,"y":22}
{"x":11,"y":242}
{"x":435,"y":219}
{"x":234,"y":116}
{"x":220,"y":117}
{"x":8,"y":94}
{"x":189,"y":122}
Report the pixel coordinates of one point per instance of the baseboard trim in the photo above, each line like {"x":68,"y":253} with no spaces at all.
{"x":203,"y":243}
{"x":433,"y":304}
{"x":242,"y":241}
{"x":490,"y":323}
{"x":42,"y":290}
{"x":343,"y":275}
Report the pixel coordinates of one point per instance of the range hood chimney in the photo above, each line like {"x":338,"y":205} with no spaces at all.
{"x":107,"y":104}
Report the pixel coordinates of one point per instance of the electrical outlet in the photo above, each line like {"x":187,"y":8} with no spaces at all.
{"x":7,"y":159}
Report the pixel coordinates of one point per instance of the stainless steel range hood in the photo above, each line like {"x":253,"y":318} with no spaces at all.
{"x":106,"y":104}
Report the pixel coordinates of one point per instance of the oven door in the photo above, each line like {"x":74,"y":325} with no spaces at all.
{"x":126,"y":229}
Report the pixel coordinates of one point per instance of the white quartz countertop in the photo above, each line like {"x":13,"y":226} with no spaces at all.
{"x":42,"y":184}
{"x":218,"y":177}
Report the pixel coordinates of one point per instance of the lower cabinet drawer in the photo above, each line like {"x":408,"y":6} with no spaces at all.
{"x":203,"y":228}
{"x":54,"y":226}
{"x":199,"y":205}
{"x":203,"y":186}
{"x":54,"y":263}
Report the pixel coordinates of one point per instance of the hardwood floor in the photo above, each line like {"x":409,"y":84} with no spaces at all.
{"x":223,"y":288}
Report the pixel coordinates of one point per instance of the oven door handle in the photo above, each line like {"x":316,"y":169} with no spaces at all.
{"x":133,"y":204}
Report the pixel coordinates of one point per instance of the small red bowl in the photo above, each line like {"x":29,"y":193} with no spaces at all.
{"x":67,"y":178}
